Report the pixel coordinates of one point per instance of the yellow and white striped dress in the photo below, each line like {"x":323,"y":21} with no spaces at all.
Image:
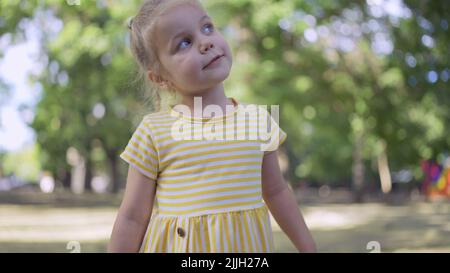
{"x":208,"y":177}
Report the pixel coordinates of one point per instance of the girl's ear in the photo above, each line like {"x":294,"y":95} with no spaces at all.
{"x":153,"y":77}
{"x":156,"y":79}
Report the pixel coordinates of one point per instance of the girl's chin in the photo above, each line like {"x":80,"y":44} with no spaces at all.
{"x":221,"y":75}
{"x":217,"y":77}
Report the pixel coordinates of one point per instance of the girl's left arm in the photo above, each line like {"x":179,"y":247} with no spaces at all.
{"x":283,"y":205}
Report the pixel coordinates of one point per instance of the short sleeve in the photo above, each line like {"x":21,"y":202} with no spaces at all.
{"x":273,"y":135}
{"x":141,"y":152}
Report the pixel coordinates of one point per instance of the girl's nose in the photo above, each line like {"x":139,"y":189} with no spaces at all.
{"x":205,"y":47}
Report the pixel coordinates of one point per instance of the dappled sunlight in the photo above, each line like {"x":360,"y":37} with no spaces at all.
{"x":35,"y":224}
{"x":360,"y":91}
{"x":416,"y":227}
{"x":333,"y":217}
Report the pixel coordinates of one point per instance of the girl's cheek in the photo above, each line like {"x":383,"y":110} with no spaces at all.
{"x":191,"y":65}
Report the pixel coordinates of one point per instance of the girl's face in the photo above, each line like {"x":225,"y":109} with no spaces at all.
{"x":187,"y":45}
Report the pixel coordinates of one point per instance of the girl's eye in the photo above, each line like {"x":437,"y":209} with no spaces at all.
{"x":184,"y":44}
{"x":210,"y":27}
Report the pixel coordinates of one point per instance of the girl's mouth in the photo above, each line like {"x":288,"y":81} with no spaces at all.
{"x":214,"y":61}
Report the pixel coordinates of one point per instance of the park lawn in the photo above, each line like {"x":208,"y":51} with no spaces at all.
{"x":415,"y":227}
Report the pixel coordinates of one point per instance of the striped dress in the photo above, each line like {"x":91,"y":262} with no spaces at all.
{"x":208,"y":179}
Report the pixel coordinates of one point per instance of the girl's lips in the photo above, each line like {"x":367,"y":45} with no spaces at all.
{"x":213,"y":61}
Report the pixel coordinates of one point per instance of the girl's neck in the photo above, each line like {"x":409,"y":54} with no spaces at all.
{"x":214,"y":96}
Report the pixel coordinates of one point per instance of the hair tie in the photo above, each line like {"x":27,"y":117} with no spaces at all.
{"x":130,"y":22}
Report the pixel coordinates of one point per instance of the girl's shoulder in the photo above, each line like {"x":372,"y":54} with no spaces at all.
{"x":256,"y":109}
{"x":157,"y":114}
{"x":155,"y":117}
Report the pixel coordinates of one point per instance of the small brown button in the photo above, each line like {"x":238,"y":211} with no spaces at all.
{"x":181,"y":232}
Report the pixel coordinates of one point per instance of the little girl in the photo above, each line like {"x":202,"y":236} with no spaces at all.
{"x":199,"y":189}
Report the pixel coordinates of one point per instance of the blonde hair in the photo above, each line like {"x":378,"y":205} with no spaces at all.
{"x":143,"y":47}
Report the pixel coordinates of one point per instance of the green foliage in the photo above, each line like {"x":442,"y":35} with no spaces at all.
{"x":330,"y":98}
{"x":29,"y":167}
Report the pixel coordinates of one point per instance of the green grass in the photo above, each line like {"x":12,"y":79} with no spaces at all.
{"x":413,"y":227}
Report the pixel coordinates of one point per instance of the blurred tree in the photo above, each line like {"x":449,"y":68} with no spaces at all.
{"x":422,"y":44}
{"x":4,"y":94}
{"x":88,"y":83}
{"x":86,"y":86}
{"x":29,"y":168}
{"x":363,"y":87}
{"x":344,"y":102}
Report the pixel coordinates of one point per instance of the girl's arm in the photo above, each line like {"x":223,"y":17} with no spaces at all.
{"x":283,"y":205}
{"x":134,"y":213}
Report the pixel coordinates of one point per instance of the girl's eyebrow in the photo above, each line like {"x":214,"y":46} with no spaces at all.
{"x":182,"y":32}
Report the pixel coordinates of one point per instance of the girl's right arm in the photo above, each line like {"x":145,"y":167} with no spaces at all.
{"x":134,"y":213}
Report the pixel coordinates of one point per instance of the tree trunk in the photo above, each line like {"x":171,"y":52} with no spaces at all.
{"x":114,"y":171}
{"x":383,"y":170}
{"x":66,"y":179}
{"x":88,"y":176}
{"x":358,"y":170}
{"x":293,"y":162}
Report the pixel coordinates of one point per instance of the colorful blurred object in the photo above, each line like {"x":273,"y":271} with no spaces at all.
{"x":437,"y":179}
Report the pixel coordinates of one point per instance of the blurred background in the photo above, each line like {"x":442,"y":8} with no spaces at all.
{"x":364,"y":94}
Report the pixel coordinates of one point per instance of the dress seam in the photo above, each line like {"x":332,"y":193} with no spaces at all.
{"x":261,"y":205}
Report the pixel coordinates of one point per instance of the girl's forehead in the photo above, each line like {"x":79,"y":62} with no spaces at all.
{"x":180,"y":15}
{"x":184,"y":9}
{"x":178,"y":18}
